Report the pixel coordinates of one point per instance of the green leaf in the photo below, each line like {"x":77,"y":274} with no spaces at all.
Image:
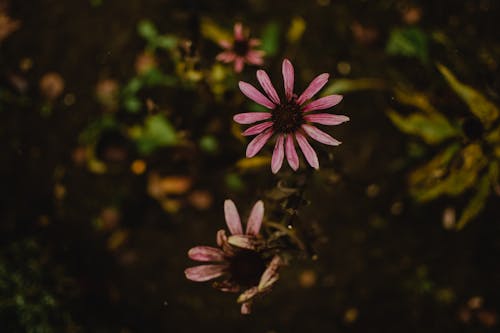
{"x":347,"y":85}
{"x":157,"y":132}
{"x":451,"y":172}
{"x":432,"y":128}
{"x":481,"y":107}
{"x":234,"y":182}
{"x":270,"y":38}
{"x":408,"y":42}
{"x":209,"y":144}
{"x":476,"y":204}
{"x":166,"y":42}
{"x":147,"y":30}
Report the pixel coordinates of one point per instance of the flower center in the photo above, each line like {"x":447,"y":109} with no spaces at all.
{"x":241,"y":47}
{"x":246,"y":268}
{"x":287,"y":117}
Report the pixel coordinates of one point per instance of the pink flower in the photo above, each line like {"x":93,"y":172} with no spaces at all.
{"x":241,"y":50}
{"x":241,"y":258}
{"x":289,"y":117}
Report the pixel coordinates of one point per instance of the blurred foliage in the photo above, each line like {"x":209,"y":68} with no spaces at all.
{"x":409,"y":42}
{"x":30,"y":289}
{"x":464,"y":163}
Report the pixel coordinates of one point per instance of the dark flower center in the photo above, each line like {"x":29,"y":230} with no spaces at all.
{"x":241,"y":47}
{"x":287,"y":117}
{"x":246,"y":268}
{"x":473,"y":128}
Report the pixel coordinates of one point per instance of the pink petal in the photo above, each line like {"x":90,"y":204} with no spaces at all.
{"x":267,"y":85}
{"x":323,"y":103}
{"x":251,"y":117}
{"x":222,"y":242}
{"x":278,"y":154}
{"x":319,"y":135}
{"x":291,"y":153}
{"x":248,"y":294}
{"x":254,"y":42}
{"x":247,"y":242}
{"x":239,"y":63}
{"x":270,"y":275}
{"x":326,"y":118}
{"x":288,"y":78}
{"x":249,"y":91}
{"x":227,"y":286}
{"x":225,"y":44}
{"x":232,"y":218}
{"x":246,"y":308}
{"x":255,"y":219}
{"x":315,"y":86}
{"x":226,"y":56}
{"x":308,"y":151}
{"x":206,"y":253}
{"x":204,"y":272}
{"x":255,"y":57}
{"x":257,"y":129}
{"x":238,"y":31}
{"x":258,"y":142}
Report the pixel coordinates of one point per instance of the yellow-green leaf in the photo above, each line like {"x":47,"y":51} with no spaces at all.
{"x":481,"y":107}
{"x":432,"y":128}
{"x":296,"y":30}
{"x":476,"y":204}
{"x":348,"y":85}
{"x":451,"y":173}
{"x":210,"y":30}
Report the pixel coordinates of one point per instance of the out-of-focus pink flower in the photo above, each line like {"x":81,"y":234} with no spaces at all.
{"x":241,"y":50}
{"x":241,"y":258}
{"x":290,"y":118}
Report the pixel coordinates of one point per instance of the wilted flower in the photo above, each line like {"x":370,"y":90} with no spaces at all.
{"x":51,"y":85}
{"x":241,"y":51}
{"x":290,"y":117}
{"x":241,"y":259}
{"x":7,"y":25}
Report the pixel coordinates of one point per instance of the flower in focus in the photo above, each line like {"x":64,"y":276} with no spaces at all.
{"x":241,"y":51}
{"x":290,"y":118}
{"x":241,"y":259}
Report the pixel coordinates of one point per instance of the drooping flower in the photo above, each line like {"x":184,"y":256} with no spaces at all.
{"x":241,"y":259}
{"x":241,"y":50}
{"x":290,"y":118}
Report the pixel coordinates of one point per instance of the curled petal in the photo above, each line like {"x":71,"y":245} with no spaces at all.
{"x":278,"y":154}
{"x":206,"y":253}
{"x":258,"y":142}
{"x":270,"y":275}
{"x":226,"y":286}
{"x":291,"y":153}
{"x":326,"y":118}
{"x":308,"y":151}
{"x":315,"y":86}
{"x":323,"y":103}
{"x":251,"y":117}
{"x":267,"y":85}
{"x":249,"y":91}
{"x":248,"y":295}
{"x":239,"y":63}
{"x":246,"y":308}
{"x":255,"y":219}
{"x":288,"y":78}
{"x":204,"y":272}
{"x":232,"y":218}
{"x":222,"y":242}
{"x":247,"y":242}
{"x":226,"y":56}
{"x":257,"y":129}
{"x":319,"y":135}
